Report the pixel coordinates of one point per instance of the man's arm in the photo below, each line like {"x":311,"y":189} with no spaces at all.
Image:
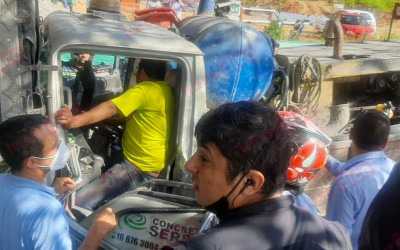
{"x":46,"y":227}
{"x":103,"y":225}
{"x":99,"y":113}
{"x":334,"y":166}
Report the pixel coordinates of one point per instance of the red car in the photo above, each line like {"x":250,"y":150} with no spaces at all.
{"x":354,"y":24}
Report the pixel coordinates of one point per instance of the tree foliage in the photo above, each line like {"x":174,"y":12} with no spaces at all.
{"x":380,"y":4}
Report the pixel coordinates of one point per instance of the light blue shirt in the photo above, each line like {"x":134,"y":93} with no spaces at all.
{"x":334,"y":166}
{"x":30,"y":216}
{"x":356,"y":185}
{"x":303,"y":201}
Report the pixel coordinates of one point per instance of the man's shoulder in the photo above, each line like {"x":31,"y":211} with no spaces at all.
{"x":34,"y":207}
{"x":2,"y":177}
{"x":22,"y":187}
{"x":321,"y":223}
{"x":149,"y":84}
{"x":374,"y":165}
{"x":295,"y":228}
{"x":158,"y":89}
{"x":364,"y":170}
{"x":27,"y":196}
{"x":370,"y":161}
{"x":150,"y":87}
{"x":36,"y":200}
{"x":315,"y":230}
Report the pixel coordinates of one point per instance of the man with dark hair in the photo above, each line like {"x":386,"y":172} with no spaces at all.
{"x":85,"y":77}
{"x":239,"y":173}
{"x":83,"y":84}
{"x":30,"y":215}
{"x":359,"y":180}
{"x":148,"y":107}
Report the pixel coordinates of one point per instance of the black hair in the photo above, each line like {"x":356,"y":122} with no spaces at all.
{"x":252,"y":136}
{"x":371,"y":130}
{"x":75,"y":57}
{"x":155,"y":69}
{"x":17,"y":141}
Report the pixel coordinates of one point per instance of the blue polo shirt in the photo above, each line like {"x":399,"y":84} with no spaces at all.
{"x":30,"y":216}
{"x":303,"y":201}
{"x":356,"y":185}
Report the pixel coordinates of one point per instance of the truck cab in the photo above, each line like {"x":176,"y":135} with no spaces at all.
{"x":162,"y":211}
{"x":66,"y":33}
{"x":165,"y":209}
{"x":126,"y":42}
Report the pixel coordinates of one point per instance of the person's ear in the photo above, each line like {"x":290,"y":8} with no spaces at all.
{"x":254,"y":182}
{"x":384,"y":145}
{"x":142,"y":72}
{"x":140,"y":76}
{"x":29,"y":163}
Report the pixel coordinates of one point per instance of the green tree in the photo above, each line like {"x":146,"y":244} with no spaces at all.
{"x":274,"y":30}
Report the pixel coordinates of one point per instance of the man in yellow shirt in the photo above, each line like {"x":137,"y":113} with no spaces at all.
{"x":148,"y":108}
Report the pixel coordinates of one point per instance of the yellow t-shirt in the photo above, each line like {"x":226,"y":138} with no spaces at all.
{"x":149,"y":108}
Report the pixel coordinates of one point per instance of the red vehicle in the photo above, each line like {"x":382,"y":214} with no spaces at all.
{"x":354,"y":24}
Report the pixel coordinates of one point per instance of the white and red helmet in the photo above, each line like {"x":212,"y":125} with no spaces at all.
{"x":310,"y":148}
{"x":305,"y":164}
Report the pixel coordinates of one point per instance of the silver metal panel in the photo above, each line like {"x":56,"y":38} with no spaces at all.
{"x":15,"y":83}
{"x":364,"y":58}
{"x":65,"y":28}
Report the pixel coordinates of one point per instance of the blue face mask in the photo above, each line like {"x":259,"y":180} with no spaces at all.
{"x":59,"y":159}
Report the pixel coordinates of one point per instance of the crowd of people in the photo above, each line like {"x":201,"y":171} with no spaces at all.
{"x":244,"y":189}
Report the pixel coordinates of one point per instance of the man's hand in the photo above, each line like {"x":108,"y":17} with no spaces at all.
{"x":64,"y":117}
{"x":103,"y":225}
{"x":96,"y":114}
{"x":63,"y":185}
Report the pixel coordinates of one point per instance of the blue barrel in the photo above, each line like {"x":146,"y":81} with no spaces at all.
{"x":238,"y":59}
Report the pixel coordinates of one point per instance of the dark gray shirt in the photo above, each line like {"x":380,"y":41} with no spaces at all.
{"x":272,"y":224}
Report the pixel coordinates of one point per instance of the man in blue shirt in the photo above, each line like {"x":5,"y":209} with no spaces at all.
{"x":30,"y":215}
{"x":359,"y":180}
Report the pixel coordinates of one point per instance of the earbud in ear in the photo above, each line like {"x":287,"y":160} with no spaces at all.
{"x":249,"y":182}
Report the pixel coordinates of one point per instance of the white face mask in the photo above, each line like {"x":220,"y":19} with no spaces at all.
{"x":59,"y":159}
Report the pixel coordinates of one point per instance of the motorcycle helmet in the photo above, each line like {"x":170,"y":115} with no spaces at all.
{"x":309,"y":150}
{"x":306,"y":162}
